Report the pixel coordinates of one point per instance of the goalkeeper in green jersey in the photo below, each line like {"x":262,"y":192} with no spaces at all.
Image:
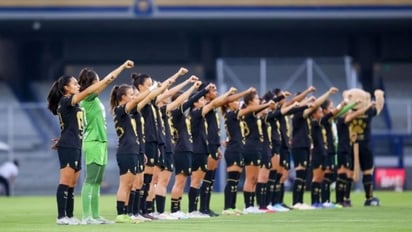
{"x":94,"y":144}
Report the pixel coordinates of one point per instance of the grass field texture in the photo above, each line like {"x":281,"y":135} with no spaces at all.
{"x":395,"y":214}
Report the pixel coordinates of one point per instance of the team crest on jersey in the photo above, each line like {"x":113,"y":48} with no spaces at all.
{"x":358,"y":126}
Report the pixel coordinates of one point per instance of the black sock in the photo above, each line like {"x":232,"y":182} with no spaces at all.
{"x":70,"y":202}
{"x":348,"y":188}
{"x":368,"y":185}
{"x":270,"y":195}
{"x":131,"y":203}
{"x":282,"y":193}
{"x":206,"y":190}
{"x":299,"y":186}
{"x":149,"y":207}
{"x":160,"y":203}
{"x":340,"y":188}
{"x":120,"y":207}
{"x":136,"y":202}
{"x":61,"y":197}
{"x":147,"y":178}
{"x":193,"y":195}
{"x":316,"y":192}
{"x":261,"y":195}
{"x":230,"y":188}
{"x":248,"y":198}
{"x":175,"y":205}
{"x":326,"y":187}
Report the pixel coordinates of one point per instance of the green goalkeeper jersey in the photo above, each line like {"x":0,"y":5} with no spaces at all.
{"x":95,"y":119}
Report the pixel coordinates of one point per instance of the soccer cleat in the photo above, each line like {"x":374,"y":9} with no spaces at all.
{"x":267,"y":210}
{"x":90,"y":221}
{"x":103,"y":220}
{"x":286,"y":206}
{"x":228,"y":212}
{"x":73,"y":221}
{"x":280,"y":208}
{"x":210,"y":212}
{"x":179,"y":215}
{"x":197,"y":214}
{"x":166,"y":216}
{"x":124,"y":218}
{"x":317,"y":206}
{"x":149,"y":216}
{"x":62,"y":221}
{"x":252,"y":210}
{"x":374,"y":201}
{"x":140,"y":218}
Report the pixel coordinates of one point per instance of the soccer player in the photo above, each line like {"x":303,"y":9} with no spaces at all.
{"x":63,"y":100}
{"x":94,"y":145}
{"x":198,"y":115}
{"x":301,"y":144}
{"x":233,"y":152}
{"x":122,"y":102}
{"x":252,"y":126}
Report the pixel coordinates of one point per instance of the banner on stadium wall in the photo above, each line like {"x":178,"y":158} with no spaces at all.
{"x":390,"y":178}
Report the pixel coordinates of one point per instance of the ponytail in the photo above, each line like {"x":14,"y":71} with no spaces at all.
{"x":56,"y":92}
{"x":116,"y":95}
{"x":113,"y":98}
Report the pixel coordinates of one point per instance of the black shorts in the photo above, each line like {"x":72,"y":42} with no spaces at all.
{"x":167,"y":162}
{"x":275,"y":147}
{"x":344,"y":160}
{"x":365,"y":157}
{"x":329,"y":162}
{"x":300,"y":156}
{"x":199,"y":161}
{"x":284,"y":160}
{"x":140,"y":163}
{"x":252,"y":158}
{"x":234,"y":158}
{"x":152,"y":154}
{"x":127,"y":163}
{"x":318,"y":160}
{"x":213,"y":151}
{"x":71,"y":157}
{"x":183,"y":162}
{"x":266,"y":161}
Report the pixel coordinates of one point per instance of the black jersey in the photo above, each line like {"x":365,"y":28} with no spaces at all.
{"x":344,"y":143}
{"x":301,"y":136}
{"x":213,"y":127}
{"x":272,"y":119}
{"x":161,"y":129}
{"x":362,"y":125}
{"x":234,"y":136}
{"x":166,"y":117}
{"x":327,"y":122}
{"x":267,"y":133}
{"x":126,"y":131}
{"x":318,"y":138}
{"x":149,"y":113}
{"x":139,"y":120}
{"x":181,"y":130}
{"x":253,"y":132}
{"x":71,"y":120}
{"x":199,"y":131}
{"x":180,"y":124}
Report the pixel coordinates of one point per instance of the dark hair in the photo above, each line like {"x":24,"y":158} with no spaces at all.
{"x":56,"y":92}
{"x":277,"y":91}
{"x":139,"y":79}
{"x":86,"y":78}
{"x":249,"y":97}
{"x":325,"y":104}
{"x":117,"y":93}
{"x":268,"y":96}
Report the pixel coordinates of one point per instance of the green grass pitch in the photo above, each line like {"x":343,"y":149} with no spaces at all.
{"x":38,"y":213}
